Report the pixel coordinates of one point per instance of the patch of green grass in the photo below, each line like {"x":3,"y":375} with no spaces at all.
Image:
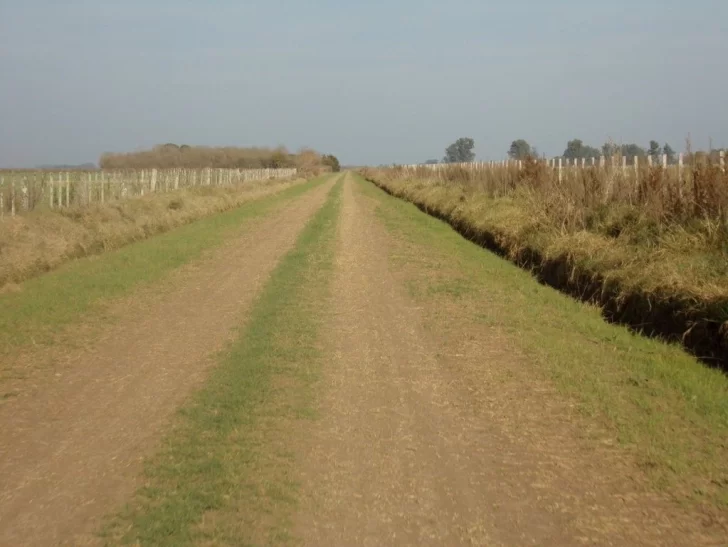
{"x":224,"y":474}
{"x":80,"y":287}
{"x":666,"y":408}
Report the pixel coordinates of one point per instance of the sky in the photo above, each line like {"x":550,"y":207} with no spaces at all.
{"x":374,"y":82}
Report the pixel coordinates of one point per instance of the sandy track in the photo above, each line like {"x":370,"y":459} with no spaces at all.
{"x":407,"y":453}
{"x":389,"y":464}
{"x":71,"y":452}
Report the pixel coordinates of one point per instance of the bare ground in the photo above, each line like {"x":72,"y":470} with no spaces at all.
{"x":438,"y":437}
{"x":71,"y":444}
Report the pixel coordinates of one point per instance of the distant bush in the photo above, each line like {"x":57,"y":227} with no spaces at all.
{"x":333,"y":162}
{"x":170,"y":155}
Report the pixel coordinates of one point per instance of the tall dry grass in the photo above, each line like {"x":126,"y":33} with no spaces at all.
{"x":41,"y":240}
{"x":650,"y":244}
{"x":643,"y":205}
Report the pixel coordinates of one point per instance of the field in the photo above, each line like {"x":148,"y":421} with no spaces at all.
{"x":319,"y":362}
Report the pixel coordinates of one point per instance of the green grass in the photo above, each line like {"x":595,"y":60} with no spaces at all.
{"x":224,"y":474}
{"x":664,"y":407}
{"x":80,"y":288}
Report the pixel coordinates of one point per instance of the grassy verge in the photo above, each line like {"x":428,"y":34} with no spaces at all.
{"x":662,"y":280}
{"x":662,"y":406}
{"x":45,"y":305}
{"x":223,"y":476}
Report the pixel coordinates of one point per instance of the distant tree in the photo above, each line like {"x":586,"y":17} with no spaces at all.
{"x":461,"y":151}
{"x":655,"y":150}
{"x":279,"y":159}
{"x":332,"y":161}
{"x":576,"y":149}
{"x":610,"y":149}
{"x":669,"y":152}
{"x":520,"y":149}
{"x":632,"y":150}
{"x":432,"y":162}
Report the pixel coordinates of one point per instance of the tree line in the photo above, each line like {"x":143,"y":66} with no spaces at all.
{"x":170,"y":155}
{"x":577,"y":150}
{"x":461,"y":151}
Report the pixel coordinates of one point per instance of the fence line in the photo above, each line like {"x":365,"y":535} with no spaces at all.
{"x":58,"y":189}
{"x":556,"y":163}
{"x":681,"y":182}
{"x":562,"y":166}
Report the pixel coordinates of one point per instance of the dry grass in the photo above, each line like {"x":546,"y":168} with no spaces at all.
{"x":41,"y":240}
{"x":651,"y":249}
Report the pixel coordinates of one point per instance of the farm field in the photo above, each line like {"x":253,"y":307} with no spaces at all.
{"x":328,"y":365}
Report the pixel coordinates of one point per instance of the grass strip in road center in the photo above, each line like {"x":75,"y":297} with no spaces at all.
{"x":223,"y":475}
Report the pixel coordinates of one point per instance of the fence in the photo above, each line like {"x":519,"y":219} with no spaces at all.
{"x":561,"y":165}
{"x":693,"y":189}
{"x":609,"y":170}
{"x":22,"y":191}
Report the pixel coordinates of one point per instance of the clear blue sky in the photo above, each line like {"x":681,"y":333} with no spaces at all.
{"x":371,"y":82}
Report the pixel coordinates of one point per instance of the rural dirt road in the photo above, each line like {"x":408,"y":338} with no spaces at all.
{"x":408,"y":452}
{"x":429,"y":430}
{"x":71,"y":450}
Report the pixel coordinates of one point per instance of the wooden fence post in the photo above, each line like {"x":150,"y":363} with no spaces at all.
{"x":50,"y":190}
{"x":680,"y":164}
{"x":560,"y":175}
{"x":649,"y":161}
{"x":664,"y":161}
{"x":26,"y":200}
{"x":12,"y":198}
{"x":722,"y":160}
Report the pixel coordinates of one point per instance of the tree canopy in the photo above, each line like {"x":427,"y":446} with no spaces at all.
{"x":461,"y":151}
{"x":520,"y":149}
{"x":576,"y":149}
{"x":332,"y":161}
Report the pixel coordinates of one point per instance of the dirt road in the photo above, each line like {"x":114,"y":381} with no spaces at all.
{"x":430,"y":429}
{"x":407,"y":452}
{"x":70,"y":452}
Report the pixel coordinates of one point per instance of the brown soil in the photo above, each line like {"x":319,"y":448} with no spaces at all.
{"x":429,"y":437}
{"x":71,"y":445}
